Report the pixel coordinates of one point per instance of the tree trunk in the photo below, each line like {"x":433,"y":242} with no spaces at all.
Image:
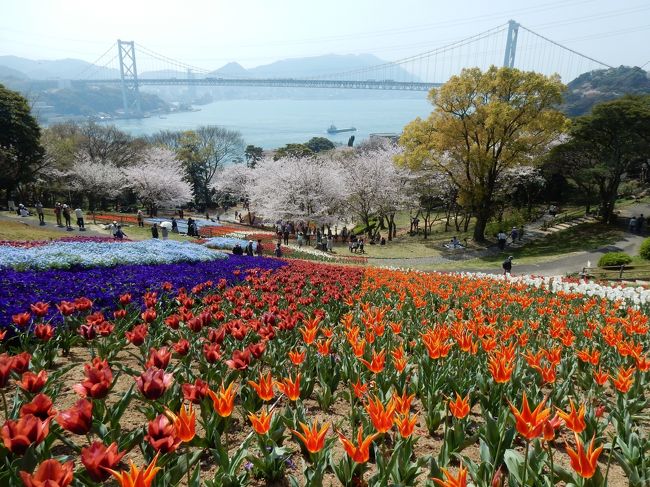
{"x":482,"y":218}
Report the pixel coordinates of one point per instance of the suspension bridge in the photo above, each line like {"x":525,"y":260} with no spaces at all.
{"x":510,"y":44}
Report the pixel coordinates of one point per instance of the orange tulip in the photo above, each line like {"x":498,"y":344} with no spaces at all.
{"x":381,"y":417}
{"x":224,"y":401}
{"x":290,"y":388}
{"x":184,"y":422}
{"x":402,"y":402}
{"x":313,"y":438}
{"x":550,"y":426}
{"x":297,"y":357}
{"x":624,"y":379}
{"x":501,"y":368}
{"x":460,"y":407}
{"x":264,"y":387}
{"x":452,"y":480}
{"x":135,"y":477}
{"x":360,"y":452}
{"x":376,"y":365}
{"x":574,"y":420}
{"x":308,"y":334}
{"x":359,"y":389}
{"x":406,"y":424}
{"x":584,"y":463}
{"x":262,"y":421}
{"x":600,"y":377}
{"x":323,"y":346}
{"x":530,"y":424}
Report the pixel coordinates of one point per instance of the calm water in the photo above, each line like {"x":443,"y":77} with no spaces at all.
{"x":274,"y":123}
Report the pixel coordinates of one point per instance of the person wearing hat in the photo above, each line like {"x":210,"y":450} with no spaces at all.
{"x":507,"y":265}
{"x":140,"y":219}
{"x":66,"y":216}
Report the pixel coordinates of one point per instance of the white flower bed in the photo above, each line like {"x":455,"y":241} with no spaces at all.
{"x":63,"y":255}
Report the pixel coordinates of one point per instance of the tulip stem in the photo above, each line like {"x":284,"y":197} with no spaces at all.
{"x":187,"y":464}
{"x":550,"y":453}
{"x":4,"y":405}
{"x":523,"y":482}
{"x":609,"y":457}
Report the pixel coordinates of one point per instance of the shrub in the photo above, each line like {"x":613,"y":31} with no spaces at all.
{"x":644,"y":251}
{"x":614,"y":258}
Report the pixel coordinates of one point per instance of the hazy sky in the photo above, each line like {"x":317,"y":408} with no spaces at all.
{"x":209,"y":33}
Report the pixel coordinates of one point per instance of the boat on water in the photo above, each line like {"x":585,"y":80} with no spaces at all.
{"x":333,"y":130}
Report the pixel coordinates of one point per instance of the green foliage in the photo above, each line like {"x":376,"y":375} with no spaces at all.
{"x":21,"y":153}
{"x":293,"y":150}
{"x":253,"y":154}
{"x":614,"y":258}
{"x":644,"y":251}
{"x":320,"y":144}
{"x":515,"y":219}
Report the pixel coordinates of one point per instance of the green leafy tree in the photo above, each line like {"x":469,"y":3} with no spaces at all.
{"x":320,"y":144}
{"x":293,"y":150}
{"x":253,"y":155}
{"x":21,"y":152}
{"x":483,"y":124}
{"x":204,"y":152}
{"x":607,"y":144}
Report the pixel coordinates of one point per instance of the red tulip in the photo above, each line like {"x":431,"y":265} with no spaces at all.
{"x":18,"y":435}
{"x":87,"y":330}
{"x":125,"y":299}
{"x":66,"y":308}
{"x":99,"y":379}
{"x":239,"y":360}
{"x":162,"y":434}
{"x":118,"y":314}
{"x":97,"y":458}
{"x":172,"y":321}
{"x":6,"y":366}
{"x":40,"y":406}
{"x":83,"y":304}
{"x":181,"y":347}
{"x":153,"y":382}
{"x":257,"y":349}
{"x":159,"y":358}
{"x":21,"y":319}
{"x":137,"y":334}
{"x":20,"y":362}
{"x":195,"y":392}
{"x":32,"y":382}
{"x":211,"y":352}
{"x":40,"y":309}
{"x":149,"y":315}
{"x":78,"y":419}
{"x":43,"y":332}
{"x":50,"y":473}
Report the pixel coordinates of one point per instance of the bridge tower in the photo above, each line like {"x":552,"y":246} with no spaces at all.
{"x":129,"y":78}
{"x":511,"y":44}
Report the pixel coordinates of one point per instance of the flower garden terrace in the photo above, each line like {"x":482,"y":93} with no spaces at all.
{"x":323,"y":374}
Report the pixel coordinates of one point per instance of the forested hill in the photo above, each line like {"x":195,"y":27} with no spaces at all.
{"x":595,"y":87}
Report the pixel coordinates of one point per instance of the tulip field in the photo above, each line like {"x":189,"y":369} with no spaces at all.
{"x":259,"y":371}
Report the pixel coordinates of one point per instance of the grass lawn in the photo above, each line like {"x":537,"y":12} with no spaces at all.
{"x":10,"y":230}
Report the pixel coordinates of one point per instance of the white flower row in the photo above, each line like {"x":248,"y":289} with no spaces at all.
{"x":63,"y":255}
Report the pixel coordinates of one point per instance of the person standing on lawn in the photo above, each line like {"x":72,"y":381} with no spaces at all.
{"x":165,"y":232}
{"x":154,"y":231}
{"x":57,"y":214}
{"x":259,"y":248}
{"x":39,"y":212}
{"x":140,"y":219}
{"x":66,"y":216}
{"x":80,"y":219}
{"x":507,"y":265}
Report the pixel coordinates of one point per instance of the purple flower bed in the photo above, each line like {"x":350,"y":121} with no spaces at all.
{"x":103,"y":285}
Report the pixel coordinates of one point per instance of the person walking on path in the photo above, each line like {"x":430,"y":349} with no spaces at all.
{"x":57,"y":214}
{"x":329,"y":243}
{"x":639,"y":223}
{"x":520,"y":233}
{"x":632,"y":226}
{"x":300,"y":239}
{"x":278,"y":250}
{"x":285,"y":234}
{"x":140,"y":219}
{"x":165,"y":232}
{"x":80,"y":219}
{"x":66,"y":216}
{"x":259,"y":249}
{"x":513,"y":234}
{"x":502,"y":238}
{"x":237,"y":249}
{"x":174,"y":225}
{"x":507,"y":265}
{"x":39,"y":212}
{"x":154,"y":231}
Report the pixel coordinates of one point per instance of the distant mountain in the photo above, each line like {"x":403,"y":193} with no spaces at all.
{"x":56,"y":69}
{"x":601,"y":85}
{"x":315,"y":66}
{"x":7,"y":73}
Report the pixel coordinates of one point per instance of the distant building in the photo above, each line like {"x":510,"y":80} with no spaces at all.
{"x":393,"y":138}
